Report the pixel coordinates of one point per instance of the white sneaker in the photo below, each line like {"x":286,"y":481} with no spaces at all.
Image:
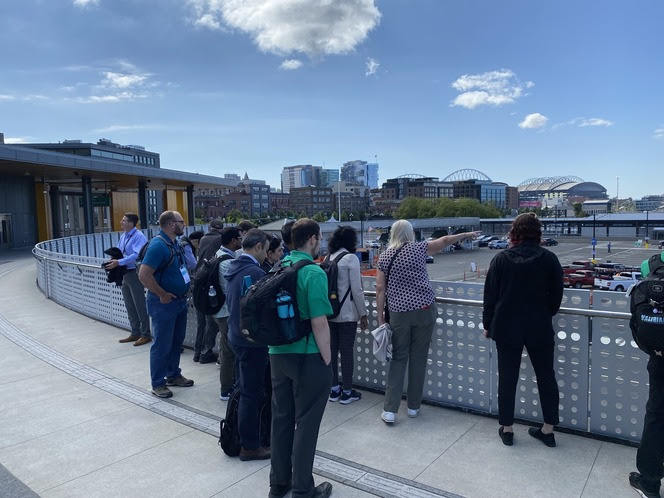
{"x":413,"y":413}
{"x":388,"y":417}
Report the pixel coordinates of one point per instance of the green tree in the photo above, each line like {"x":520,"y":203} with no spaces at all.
{"x":320,"y":217}
{"x":426,"y":208}
{"x":407,"y":209}
{"x":234,"y":216}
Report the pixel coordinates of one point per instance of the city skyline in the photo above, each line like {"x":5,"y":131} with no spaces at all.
{"x":515,"y":90}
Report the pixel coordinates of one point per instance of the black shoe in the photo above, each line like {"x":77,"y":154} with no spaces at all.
{"x":507,"y":437}
{"x":209,"y":357}
{"x":547,"y":439}
{"x":644,"y":488}
{"x":197,"y":356}
{"x":323,"y":490}
{"x":353,"y":395}
{"x":279,"y":490}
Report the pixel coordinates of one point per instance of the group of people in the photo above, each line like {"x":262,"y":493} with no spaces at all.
{"x":523,"y":291}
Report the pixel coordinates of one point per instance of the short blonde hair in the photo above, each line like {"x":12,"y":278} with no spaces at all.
{"x":402,"y":232}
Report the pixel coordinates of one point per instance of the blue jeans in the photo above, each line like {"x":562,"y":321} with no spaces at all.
{"x":169,"y":326}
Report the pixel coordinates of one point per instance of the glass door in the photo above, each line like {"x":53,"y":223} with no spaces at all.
{"x":5,"y":231}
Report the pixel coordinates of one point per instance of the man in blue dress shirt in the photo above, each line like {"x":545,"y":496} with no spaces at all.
{"x":133,"y":293}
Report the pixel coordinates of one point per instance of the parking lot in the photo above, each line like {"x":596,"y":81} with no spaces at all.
{"x":456,"y":266}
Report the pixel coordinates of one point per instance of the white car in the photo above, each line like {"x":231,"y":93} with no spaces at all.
{"x":498,"y":244}
{"x":372,"y":244}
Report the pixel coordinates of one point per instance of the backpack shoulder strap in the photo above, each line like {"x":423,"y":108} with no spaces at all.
{"x":655,"y":263}
{"x":171,"y":252}
{"x":340,"y":256}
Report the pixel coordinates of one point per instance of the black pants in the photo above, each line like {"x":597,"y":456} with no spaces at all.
{"x":650,"y":457}
{"x":251,"y":366}
{"x":509,"y":363}
{"x":342,"y":341}
{"x":300,"y":388}
{"x":206,"y":333}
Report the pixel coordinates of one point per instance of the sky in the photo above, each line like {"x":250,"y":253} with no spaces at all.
{"x":514,"y":88}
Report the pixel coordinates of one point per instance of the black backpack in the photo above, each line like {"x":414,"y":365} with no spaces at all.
{"x":269,"y":314}
{"x":331,"y":269}
{"x":229,"y":437}
{"x":144,"y":249}
{"x":206,"y":276}
{"x":647,"y":308}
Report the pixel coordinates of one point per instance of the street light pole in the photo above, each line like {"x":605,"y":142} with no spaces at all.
{"x":594,"y":241}
{"x":647,"y":239}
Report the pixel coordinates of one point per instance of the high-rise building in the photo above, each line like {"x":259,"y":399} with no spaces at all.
{"x":360,"y":173}
{"x":302,"y":175}
{"x":328,"y":177}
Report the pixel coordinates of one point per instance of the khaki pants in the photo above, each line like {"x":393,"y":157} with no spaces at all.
{"x":411,"y":336}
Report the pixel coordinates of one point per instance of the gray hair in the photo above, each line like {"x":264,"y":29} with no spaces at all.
{"x":402,"y":232}
{"x":253,"y":238}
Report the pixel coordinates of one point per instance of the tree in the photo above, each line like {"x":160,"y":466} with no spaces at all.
{"x":578,"y":210}
{"x":320,"y":217}
{"x":407,"y":209}
{"x":234,"y":215}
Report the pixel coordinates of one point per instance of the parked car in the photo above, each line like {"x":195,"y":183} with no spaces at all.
{"x":429,"y":259}
{"x":372,"y":244}
{"x":498,"y":244}
{"x":549,"y":242}
{"x":578,"y":265}
{"x":485,"y":241}
{"x":579,"y":279}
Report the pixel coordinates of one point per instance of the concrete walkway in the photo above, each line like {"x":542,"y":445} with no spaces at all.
{"x":78,"y":420}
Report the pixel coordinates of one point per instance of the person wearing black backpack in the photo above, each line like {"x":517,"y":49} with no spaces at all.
{"x":251,"y":360}
{"x":650,"y":455}
{"x":301,"y":376}
{"x":343,"y":327}
{"x":206,"y":327}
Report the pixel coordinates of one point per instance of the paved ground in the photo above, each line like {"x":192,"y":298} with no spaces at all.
{"x":77,"y":420}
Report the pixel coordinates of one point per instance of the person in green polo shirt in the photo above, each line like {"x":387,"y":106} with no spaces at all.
{"x":301,"y":377}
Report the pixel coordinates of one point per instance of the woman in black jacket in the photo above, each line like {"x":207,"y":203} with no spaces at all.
{"x":522,"y":293}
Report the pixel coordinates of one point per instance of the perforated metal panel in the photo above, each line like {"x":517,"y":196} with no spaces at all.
{"x":619,"y":380}
{"x":570,"y":365}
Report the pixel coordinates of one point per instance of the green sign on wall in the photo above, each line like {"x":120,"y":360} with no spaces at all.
{"x":98,"y":200}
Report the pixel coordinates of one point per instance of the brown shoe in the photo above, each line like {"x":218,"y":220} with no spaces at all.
{"x":260,"y":453}
{"x":143,"y":340}
{"x":131,"y":338}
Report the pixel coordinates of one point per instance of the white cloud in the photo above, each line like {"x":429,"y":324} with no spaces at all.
{"x":290,"y":64}
{"x":658,"y":134}
{"x":371,"y":67}
{"x":595,"y":122}
{"x":118,"y":97}
{"x":85,"y":3}
{"x":207,"y":21}
{"x":4,"y":97}
{"x":119,"y":80}
{"x":312,"y":27}
{"x":494,"y":88}
{"x":18,"y":140}
{"x":534,"y":120}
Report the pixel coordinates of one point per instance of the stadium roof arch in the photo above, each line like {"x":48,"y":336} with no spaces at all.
{"x":466,"y":174}
{"x":547,"y":184}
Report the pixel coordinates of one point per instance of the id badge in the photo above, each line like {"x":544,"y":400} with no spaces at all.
{"x":185,"y":274}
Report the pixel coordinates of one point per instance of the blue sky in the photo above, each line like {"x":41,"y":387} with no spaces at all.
{"x":515,"y":89}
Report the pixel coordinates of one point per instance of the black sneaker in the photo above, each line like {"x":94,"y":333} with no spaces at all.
{"x":323,"y":490}
{"x":225,"y":395}
{"x":645,"y":489}
{"x":197,"y":356}
{"x":209,"y":357}
{"x":547,"y":439}
{"x":334,"y":395}
{"x":353,"y":395}
{"x":279,"y":490}
{"x":506,"y":437}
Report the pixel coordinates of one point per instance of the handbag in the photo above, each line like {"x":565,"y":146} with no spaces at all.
{"x":387,"y":273}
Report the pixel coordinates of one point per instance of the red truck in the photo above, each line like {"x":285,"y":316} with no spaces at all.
{"x":577,"y":266}
{"x":579,"y":279}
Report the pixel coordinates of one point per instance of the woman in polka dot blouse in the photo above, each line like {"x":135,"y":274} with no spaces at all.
{"x":402,"y":278}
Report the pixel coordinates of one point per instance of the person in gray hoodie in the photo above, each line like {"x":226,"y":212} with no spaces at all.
{"x":522,"y":293}
{"x":251,"y":359}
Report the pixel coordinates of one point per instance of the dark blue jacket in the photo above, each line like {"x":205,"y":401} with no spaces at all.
{"x":237,"y":269}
